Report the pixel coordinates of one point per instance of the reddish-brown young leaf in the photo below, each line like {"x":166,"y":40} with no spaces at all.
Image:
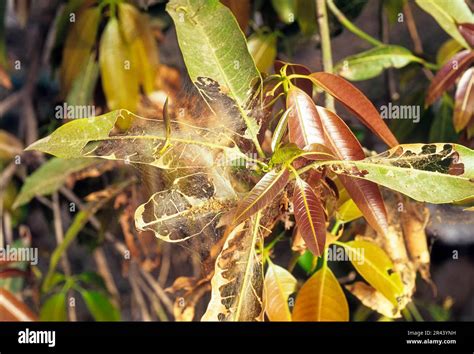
{"x":345,"y":145}
{"x":464,"y":100}
{"x":448,"y":74}
{"x":310,"y":217}
{"x":354,"y":100}
{"x":261,"y":194}
{"x":304,"y":125}
{"x":303,"y":84}
{"x":12,"y":309}
{"x":467,"y":31}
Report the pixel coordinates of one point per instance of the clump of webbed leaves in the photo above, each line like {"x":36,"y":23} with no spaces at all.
{"x":312,"y":177}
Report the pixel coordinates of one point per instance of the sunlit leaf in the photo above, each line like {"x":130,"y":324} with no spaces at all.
{"x":373,"y":62}
{"x":278,"y":286}
{"x":12,"y":309}
{"x":100,"y":306}
{"x":119,"y":77}
{"x":237,"y":284}
{"x":356,"y":102}
{"x":435,"y":173}
{"x":304,"y":125}
{"x":376,"y":268}
{"x":214,"y":47}
{"x":447,"y":13}
{"x":321,"y":299}
{"x":54,"y":308}
{"x":345,"y":146}
{"x":448,"y":74}
{"x":348,"y":211}
{"x":310,"y":217}
{"x":49,"y":178}
{"x":464,"y":100}
{"x":261,"y":194}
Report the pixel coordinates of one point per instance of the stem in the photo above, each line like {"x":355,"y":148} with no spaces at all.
{"x":350,"y":26}
{"x":325,"y":45}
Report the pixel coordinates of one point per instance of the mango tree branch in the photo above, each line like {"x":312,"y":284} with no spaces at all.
{"x":325,"y":44}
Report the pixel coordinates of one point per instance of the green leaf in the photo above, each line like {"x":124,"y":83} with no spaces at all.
{"x":447,"y":13}
{"x":214,"y":47}
{"x":54,"y":308}
{"x":82,"y":90}
{"x":99,"y":306}
{"x":49,"y":178}
{"x":286,"y":10}
{"x":373,"y":62}
{"x":447,"y":51}
{"x":435,"y":173}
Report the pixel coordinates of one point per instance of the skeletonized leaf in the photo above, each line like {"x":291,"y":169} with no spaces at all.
{"x":12,"y":309}
{"x":191,"y":207}
{"x":373,"y":299}
{"x":447,"y":13}
{"x":435,"y":173}
{"x":261,"y":194}
{"x":376,"y":268}
{"x":354,"y":100}
{"x":321,"y":299}
{"x":49,"y":178}
{"x":278,"y":286}
{"x":237,"y":284}
{"x":345,"y":145}
{"x":214,"y":47}
{"x":464,"y":100}
{"x":119,"y":76}
{"x":191,"y":146}
{"x":448,"y":74}
{"x":304,"y":125}
{"x":310,"y":217}
{"x":373,"y":62}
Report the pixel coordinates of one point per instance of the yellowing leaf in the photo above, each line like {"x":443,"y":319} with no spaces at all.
{"x":119,"y":77}
{"x":348,"y":211}
{"x":262,"y":47}
{"x":278,"y":286}
{"x":321,"y":299}
{"x":376,"y":268}
{"x":78,"y":46}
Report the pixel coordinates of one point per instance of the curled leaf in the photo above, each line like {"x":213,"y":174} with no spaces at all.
{"x":464,"y":101}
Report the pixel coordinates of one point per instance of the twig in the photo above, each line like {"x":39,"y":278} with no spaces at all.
{"x":389,"y":73}
{"x":153,"y":299}
{"x":158,"y":290}
{"x":11,"y":101}
{"x":103,"y":269}
{"x":411,"y":25}
{"x":58,"y":228}
{"x":165,"y":264}
{"x":322,"y":15}
{"x":132,"y":278}
{"x":7,"y":224}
